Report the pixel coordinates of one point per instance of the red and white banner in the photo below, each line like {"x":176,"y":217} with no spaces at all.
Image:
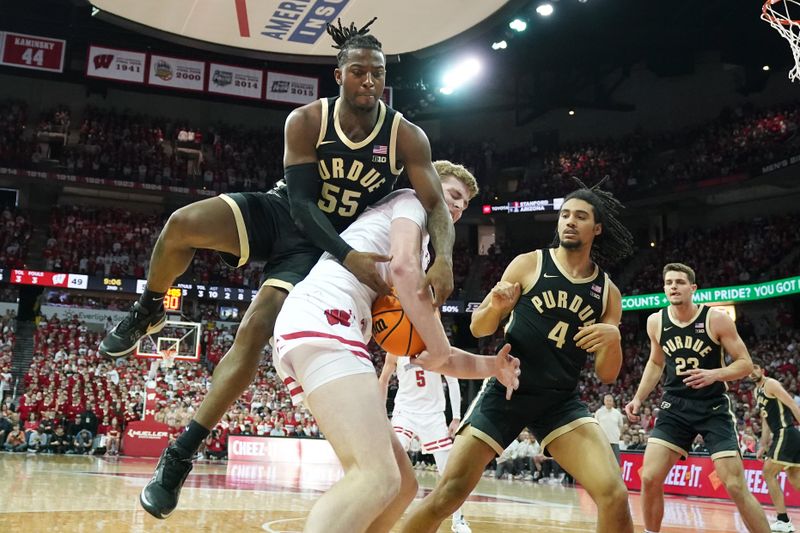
{"x":281,"y":450}
{"x":32,"y":51}
{"x":291,"y":88}
{"x":146,"y":437}
{"x":116,"y":64}
{"x":235,"y":81}
{"x":85,"y":180}
{"x":697,"y":477}
{"x":176,"y":73}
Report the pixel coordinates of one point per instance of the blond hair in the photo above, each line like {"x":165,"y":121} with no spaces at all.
{"x":445,"y":168}
{"x":680,"y":267}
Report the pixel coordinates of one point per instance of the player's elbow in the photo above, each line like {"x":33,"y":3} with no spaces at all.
{"x":607,"y":367}
{"x":478,"y":329}
{"x":404,"y":268}
{"x":607,"y":377}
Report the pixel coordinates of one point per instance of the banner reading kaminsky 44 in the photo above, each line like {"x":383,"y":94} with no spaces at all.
{"x":298,"y":28}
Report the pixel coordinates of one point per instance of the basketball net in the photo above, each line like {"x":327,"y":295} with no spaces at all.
{"x":777,"y":14}
{"x":166,"y":362}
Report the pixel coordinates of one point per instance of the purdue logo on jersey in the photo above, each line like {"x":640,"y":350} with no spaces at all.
{"x":687,"y":342}
{"x":370,"y":180}
{"x":560,"y":299}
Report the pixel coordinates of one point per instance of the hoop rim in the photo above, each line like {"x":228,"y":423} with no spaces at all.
{"x":766,"y":13}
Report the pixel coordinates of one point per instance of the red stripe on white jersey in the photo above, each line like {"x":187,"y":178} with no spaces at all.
{"x":320,"y":334}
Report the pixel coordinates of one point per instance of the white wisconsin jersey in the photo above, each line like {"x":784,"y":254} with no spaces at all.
{"x":370,"y":233}
{"x":419,"y":390}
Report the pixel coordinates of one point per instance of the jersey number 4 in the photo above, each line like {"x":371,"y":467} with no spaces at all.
{"x":559,"y":334}
{"x":328,"y":201}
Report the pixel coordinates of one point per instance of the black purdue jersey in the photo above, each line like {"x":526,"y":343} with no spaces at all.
{"x":688,"y":347}
{"x":547,"y":317}
{"x":778,"y":415}
{"x":354,"y":176}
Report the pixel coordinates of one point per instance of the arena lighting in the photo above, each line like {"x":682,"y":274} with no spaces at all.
{"x":518,"y":25}
{"x":765,"y":68}
{"x":545,"y":9}
{"x":571,"y":112}
{"x":499,"y":45}
{"x":461,"y":74}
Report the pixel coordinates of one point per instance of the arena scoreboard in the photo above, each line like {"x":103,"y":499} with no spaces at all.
{"x":173,"y":300}
{"x":524,"y":206}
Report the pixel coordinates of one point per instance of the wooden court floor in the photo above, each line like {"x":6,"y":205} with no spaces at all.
{"x":86,"y":494}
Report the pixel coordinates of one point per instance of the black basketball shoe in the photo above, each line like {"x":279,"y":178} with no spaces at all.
{"x":160,"y":496}
{"x":140,"y":322}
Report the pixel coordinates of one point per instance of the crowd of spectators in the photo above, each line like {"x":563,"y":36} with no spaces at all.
{"x":15,"y":150}
{"x":15,"y":236}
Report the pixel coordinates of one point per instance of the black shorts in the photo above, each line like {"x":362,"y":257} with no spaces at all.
{"x":268,"y":233}
{"x":680,"y":420}
{"x":785,"y":449}
{"x":547,"y":414}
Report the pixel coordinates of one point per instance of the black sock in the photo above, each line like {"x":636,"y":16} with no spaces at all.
{"x":783,"y":517}
{"x":151,"y":300}
{"x":191,"y":439}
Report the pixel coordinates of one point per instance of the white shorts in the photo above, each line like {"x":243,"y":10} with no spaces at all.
{"x":316,"y":343}
{"x":431,"y":429}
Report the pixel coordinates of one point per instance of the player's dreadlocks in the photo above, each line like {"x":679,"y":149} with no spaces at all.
{"x":350,"y":37}
{"x":615,"y":242}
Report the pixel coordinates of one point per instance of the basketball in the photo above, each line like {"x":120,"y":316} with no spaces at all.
{"x":392,"y":329}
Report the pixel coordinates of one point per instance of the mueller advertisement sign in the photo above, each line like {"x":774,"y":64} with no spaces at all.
{"x":146,"y":437}
{"x":696,"y":477}
{"x":298,"y":27}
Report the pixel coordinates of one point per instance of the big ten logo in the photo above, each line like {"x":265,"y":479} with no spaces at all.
{"x":627,"y":471}
{"x":112,"y":282}
{"x":684,"y":476}
{"x":756,"y":483}
{"x":378,"y":326}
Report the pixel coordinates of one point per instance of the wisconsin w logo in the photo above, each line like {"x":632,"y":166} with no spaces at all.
{"x":103,"y":61}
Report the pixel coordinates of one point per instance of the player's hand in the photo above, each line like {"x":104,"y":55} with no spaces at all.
{"x":453,"y":427}
{"x":505,"y":296}
{"x":440,"y":280}
{"x":632,"y":409}
{"x":596,"y":337}
{"x":700,"y":377}
{"x":760,"y":453}
{"x":362,"y":265}
{"x":506,"y":370}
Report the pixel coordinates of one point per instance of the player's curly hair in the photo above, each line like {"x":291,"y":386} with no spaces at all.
{"x":615,"y":242}
{"x":350,"y":37}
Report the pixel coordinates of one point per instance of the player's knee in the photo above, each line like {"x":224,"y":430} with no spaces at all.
{"x":612,"y":497}
{"x":650,"y":481}
{"x":383,"y":481}
{"x":736,"y":487}
{"x":451,"y":493}
{"x":180,"y":225}
{"x":254,"y":331}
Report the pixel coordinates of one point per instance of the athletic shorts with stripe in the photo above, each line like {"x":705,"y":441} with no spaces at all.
{"x":680,"y":420}
{"x":548,"y":414}
{"x":268,"y":233}
{"x":316,"y":343}
{"x":785,"y":448}
{"x":430,"y":428}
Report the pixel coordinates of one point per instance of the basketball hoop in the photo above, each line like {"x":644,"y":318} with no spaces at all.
{"x":777,"y":14}
{"x":167,"y":358}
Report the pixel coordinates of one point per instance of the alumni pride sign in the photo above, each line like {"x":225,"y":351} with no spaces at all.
{"x":738,"y":293}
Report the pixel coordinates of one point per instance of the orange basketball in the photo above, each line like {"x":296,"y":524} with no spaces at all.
{"x":392,"y":329}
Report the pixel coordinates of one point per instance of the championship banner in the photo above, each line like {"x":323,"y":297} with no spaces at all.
{"x":696,"y":476}
{"x":290,"y":88}
{"x":116,"y":64}
{"x":235,"y":81}
{"x":298,"y":28}
{"x":32,"y":52}
{"x":175,"y":73}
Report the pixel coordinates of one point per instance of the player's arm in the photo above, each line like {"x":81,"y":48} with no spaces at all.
{"x":303,"y":184}
{"x":603,"y":338}
{"x":652,"y":370}
{"x":454,"y":391}
{"x":774,"y":388}
{"x":389,"y":366}
{"x":465,"y":365}
{"x":766,"y":435}
{"x":406,"y":269}
{"x":724,"y":328}
{"x":415,"y":151}
{"x":497,"y":305}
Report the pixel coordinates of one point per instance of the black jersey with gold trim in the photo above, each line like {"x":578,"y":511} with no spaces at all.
{"x":355,"y":175}
{"x":686,"y":347}
{"x":778,"y":415}
{"x":545,"y":320}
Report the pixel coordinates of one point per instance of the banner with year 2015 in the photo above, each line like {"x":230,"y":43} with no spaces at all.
{"x":176,"y":73}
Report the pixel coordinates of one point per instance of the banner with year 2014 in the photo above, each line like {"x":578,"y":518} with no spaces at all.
{"x":176,"y":73}
{"x":235,"y":81}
